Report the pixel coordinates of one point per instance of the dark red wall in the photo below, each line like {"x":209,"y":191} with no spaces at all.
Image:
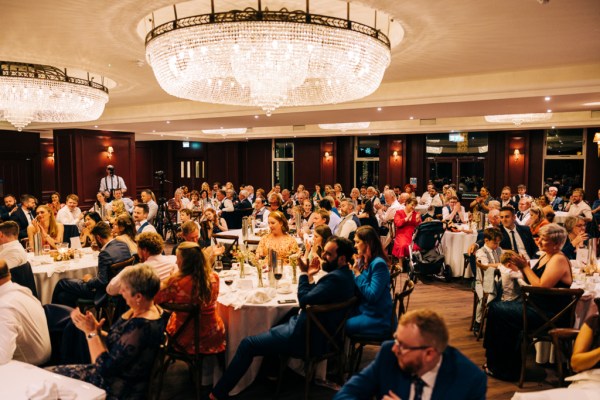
{"x":20,"y":163}
{"x":47,"y":169}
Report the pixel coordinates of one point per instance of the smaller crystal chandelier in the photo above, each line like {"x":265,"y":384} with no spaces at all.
{"x":345,"y":126}
{"x":225,"y":132}
{"x":518,"y":119}
{"x":41,"y":93}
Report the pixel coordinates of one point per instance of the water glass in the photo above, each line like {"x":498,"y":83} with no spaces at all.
{"x":218,"y":266}
{"x":46,"y":249}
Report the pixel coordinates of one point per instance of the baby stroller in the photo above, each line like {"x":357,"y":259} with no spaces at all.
{"x":426,"y":257}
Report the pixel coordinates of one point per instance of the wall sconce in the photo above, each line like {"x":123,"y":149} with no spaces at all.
{"x":110,"y":151}
{"x":395,"y":155}
{"x":51,"y":156}
{"x":327,"y":155}
{"x":517,"y":154}
{"x":597,"y":140}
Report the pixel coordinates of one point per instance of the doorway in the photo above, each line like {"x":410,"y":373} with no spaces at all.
{"x":467,"y":173}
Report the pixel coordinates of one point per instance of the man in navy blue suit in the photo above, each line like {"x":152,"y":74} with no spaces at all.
{"x":24,"y":214}
{"x":418,"y":364}
{"x":289,"y":338}
{"x":67,"y":291}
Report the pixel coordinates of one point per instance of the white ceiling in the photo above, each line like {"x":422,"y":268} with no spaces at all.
{"x":459,"y":60}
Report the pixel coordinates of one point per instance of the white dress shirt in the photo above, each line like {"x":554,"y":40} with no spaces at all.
{"x":13,"y":253}
{"x":152,"y":210}
{"x":581,"y":209}
{"x":66,"y":216}
{"x":521,"y":249}
{"x":164,"y":266}
{"x":446,"y":214}
{"x":346,"y":226}
{"x":334,"y":221}
{"x":388,"y":215}
{"x":148,"y":228}
{"x":24,"y":332}
{"x":524,"y":220}
{"x":435,"y":201}
{"x":110,"y":183}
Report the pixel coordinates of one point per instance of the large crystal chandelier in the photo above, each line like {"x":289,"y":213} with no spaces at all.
{"x":268,"y":59}
{"x":518,"y":119}
{"x":41,"y":93}
{"x":345,"y":126}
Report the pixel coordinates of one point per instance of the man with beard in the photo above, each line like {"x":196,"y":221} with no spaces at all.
{"x":418,"y":364}
{"x":24,"y":214}
{"x":9,"y":207}
{"x":289,"y":338}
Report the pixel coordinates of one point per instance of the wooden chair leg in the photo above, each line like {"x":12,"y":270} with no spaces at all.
{"x":475,"y":300}
{"x":524,"y":347}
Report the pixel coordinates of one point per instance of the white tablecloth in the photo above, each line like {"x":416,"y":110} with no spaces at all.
{"x":238,"y":233}
{"x":454,"y":245}
{"x":250,"y":319}
{"x":16,"y":377}
{"x":560,"y":216}
{"x":43,"y":266}
{"x":421,"y":208}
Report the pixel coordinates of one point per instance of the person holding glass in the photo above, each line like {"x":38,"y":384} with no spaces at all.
{"x":278,"y":239}
{"x":89,"y":221}
{"x":55,"y":203}
{"x":314,"y":249}
{"x":194,"y":283}
{"x":372,"y":278}
{"x":45,"y":224}
{"x":577,"y":236}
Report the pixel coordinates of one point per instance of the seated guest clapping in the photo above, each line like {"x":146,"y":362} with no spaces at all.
{"x":150,"y":248}
{"x":278,"y":239}
{"x":372,"y":278}
{"x":44,"y":224}
{"x":289,"y":338}
{"x":195,"y":283}
{"x":67,"y":291}
{"x":418,"y":364}
{"x":24,"y":332}
{"x":123,"y":357}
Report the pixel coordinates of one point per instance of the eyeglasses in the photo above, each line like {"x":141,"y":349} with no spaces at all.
{"x":405,"y":349}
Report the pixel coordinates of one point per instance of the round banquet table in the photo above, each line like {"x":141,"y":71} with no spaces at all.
{"x":560,"y":217}
{"x":47,"y":272}
{"x":20,"y":379}
{"x":454,"y":245}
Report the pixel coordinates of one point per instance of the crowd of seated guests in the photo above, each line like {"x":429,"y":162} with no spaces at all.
{"x":521,"y":228}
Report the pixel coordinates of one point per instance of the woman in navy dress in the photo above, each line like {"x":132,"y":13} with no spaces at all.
{"x":372,"y":278}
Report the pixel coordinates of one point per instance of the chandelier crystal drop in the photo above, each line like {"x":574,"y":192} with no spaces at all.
{"x":345,"y":126}
{"x":225,"y":131}
{"x":41,"y":93}
{"x":518,"y":119}
{"x":267,"y":59}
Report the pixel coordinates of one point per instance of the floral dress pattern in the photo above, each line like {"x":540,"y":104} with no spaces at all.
{"x":212,"y":329}
{"x":284,"y":246}
{"x":124,"y":370}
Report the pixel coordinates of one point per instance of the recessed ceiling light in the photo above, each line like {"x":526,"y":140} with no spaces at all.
{"x":547,"y":98}
{"x":378,"y":108}
{"x":256,"y":117}
{"x":162,"y":134}
{"x":168,"y":122}
{"x":154,"y":131}
{"x":95,"y":126}
{"x":411,"y":117}
{"x":548,"y":110}
{"x":109,"y":65}
{"x":554,"y":127}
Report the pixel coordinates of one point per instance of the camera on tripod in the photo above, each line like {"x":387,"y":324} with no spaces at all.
{"x":160,"y":175}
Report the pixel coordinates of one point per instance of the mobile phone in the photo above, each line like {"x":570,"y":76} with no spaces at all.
{"x":288,"y":301}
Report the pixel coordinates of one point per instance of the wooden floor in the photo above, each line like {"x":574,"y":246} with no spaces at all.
{"x":452,"y":300}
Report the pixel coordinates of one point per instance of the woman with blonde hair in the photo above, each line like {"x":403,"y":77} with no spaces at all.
{"x":537,"y":220}
{"x":45,"y":224}
{"x":195,"y":283}
{"x":118,"y":209}
{"x":278,"y":239}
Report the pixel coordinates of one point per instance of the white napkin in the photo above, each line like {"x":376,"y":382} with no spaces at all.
{"x":42,"y":391}
{"x":234,"y":299}
{"x":261,"y":296}
{"x":58,"y":268}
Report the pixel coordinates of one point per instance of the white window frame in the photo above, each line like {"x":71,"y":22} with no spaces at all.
{"x":565,"y":157}
{"x":357,"y":158}
{"x":285,"y":159}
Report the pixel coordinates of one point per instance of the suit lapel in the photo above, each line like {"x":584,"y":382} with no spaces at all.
{"x":446,"y":375}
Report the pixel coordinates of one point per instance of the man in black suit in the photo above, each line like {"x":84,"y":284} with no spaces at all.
{"x":24,"y":214}
{"x":9,"y":206}
{"x":418,"y":361}
{"x":67,"y":291}
{"x":516,"y":237}
{"x":289,"y":338}
{"x":506,"y":198}
{"x":243,"y":203}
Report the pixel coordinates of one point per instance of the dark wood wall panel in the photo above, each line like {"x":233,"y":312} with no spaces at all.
{"x":592,"y":168}
{"x":307,"y":162}
{"x":515,"y":169}
{"x":81,"y":159}
{"x":152,"y":157}
{"x":47,"y":169}
{"x":329,"y":164}
{"x":535,"y":155}
{"x":20,"y":163}
{"x":416,"y":160}
{"x":345,"y":163}
{"x":392,"y":169}
{"x":256,"y":168}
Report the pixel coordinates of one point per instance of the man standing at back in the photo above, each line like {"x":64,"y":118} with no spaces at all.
{"x":289,"y":338}
{"x":418,"y":364}
{"x":111,"y":182}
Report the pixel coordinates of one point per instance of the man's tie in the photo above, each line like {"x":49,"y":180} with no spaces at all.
{"x":419,"y":385}
{"x":514,"y":241}
{"x":31,"y":217}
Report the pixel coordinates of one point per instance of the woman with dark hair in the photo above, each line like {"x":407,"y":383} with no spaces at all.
{"x":124,"y":230}
{"x":195,"y":283}
{"x":55,"y":203}
{"x":315,"y":249}
{"x":101,"y":206}
{"x":367,"y":216}
{"x":372,"y":278}
{"x":318,"y":194}
{"x":122,"y":358}
{"x":89,"y":222}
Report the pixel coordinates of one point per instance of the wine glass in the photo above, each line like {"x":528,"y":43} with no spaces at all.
{"x":218,"y":266}
{"x":46,"y":249}
{"x":278,"y":271}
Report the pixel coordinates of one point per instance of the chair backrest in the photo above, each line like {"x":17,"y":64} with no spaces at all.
{"x":402,"y":299}
{"x":395,"y":271}
{"x":228,"y":241}
{"x":157,"y":367}
{"x":118,"y":266}
{"x":335,"y":337}
{"x":193,"y":317}
{"x":563,"y":339}
{"x":23,"y":275}
{"x":535,"y":297}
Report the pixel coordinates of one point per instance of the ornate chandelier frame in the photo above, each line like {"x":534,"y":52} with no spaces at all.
{"x":42,"y":93}
{"x":269,"y":59}
{"x":518,"y":119}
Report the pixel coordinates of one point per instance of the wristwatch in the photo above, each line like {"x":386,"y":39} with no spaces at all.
{"x":91,"y":335}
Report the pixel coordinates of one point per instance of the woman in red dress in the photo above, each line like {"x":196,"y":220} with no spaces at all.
{"x":195,"y":283}
{"x":406,"y":221}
